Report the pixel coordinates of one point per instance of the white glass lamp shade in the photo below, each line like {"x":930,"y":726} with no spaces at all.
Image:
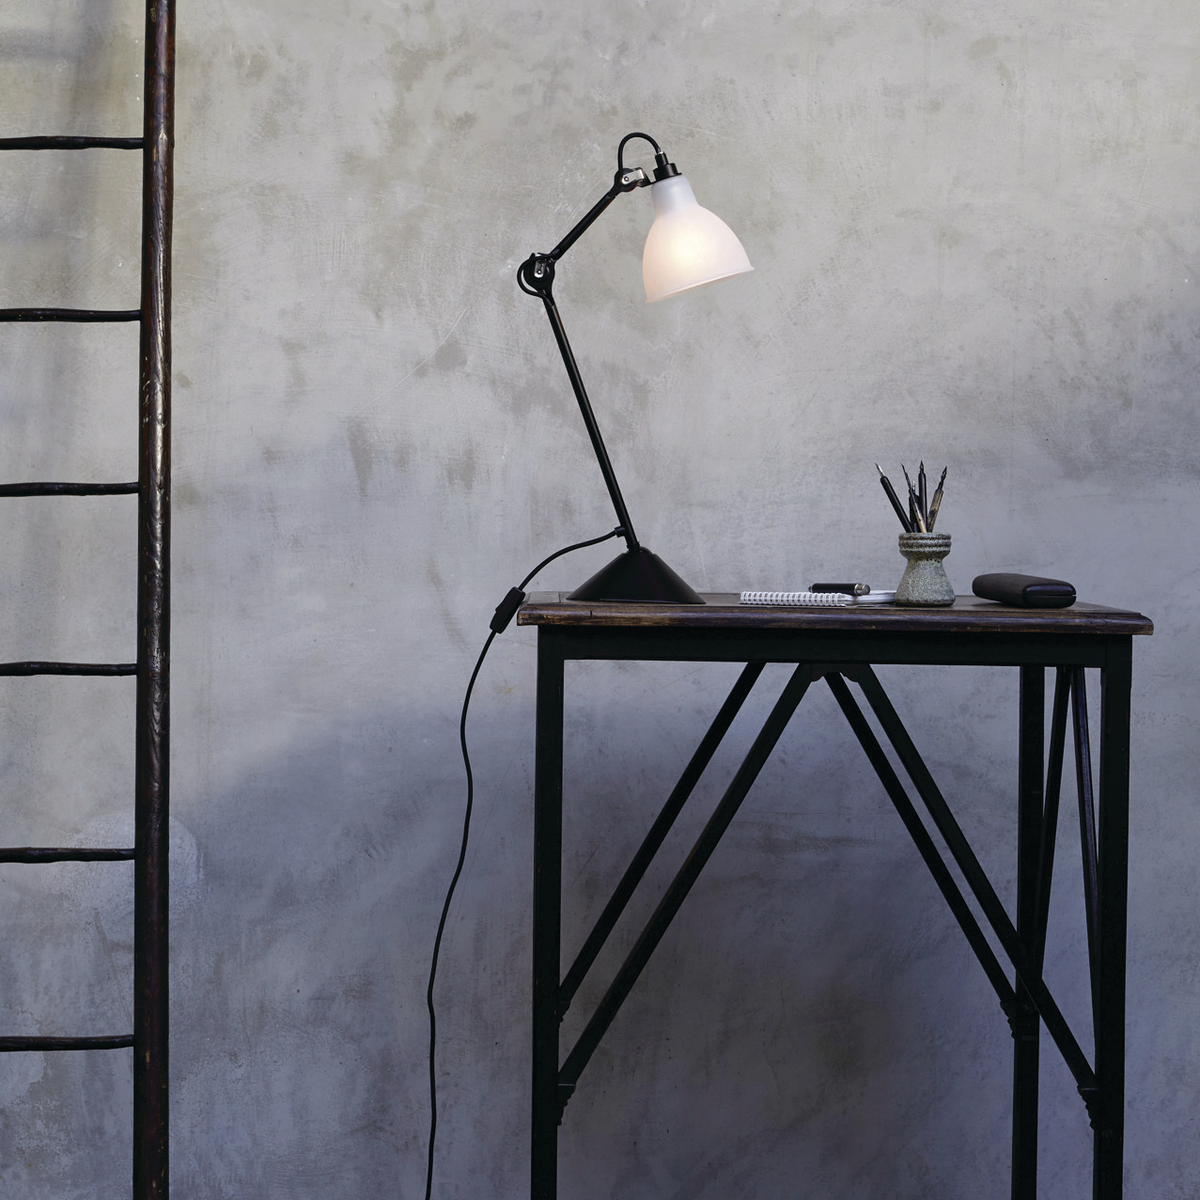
{"x":687,"y":246}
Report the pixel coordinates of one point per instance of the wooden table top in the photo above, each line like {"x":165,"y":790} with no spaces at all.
{"x":724,"y":610}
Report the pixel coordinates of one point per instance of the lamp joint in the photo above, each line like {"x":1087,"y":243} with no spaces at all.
{"x":627,"y":179}
{"x":536,"y":275}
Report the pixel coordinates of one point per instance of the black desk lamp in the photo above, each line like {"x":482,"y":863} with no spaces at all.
{"x":687,"y":247}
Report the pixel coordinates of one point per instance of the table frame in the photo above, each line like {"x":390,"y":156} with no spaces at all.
{"x":841,"y":646}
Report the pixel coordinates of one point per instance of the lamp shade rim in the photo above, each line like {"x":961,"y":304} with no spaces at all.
{"x":692,"y":285}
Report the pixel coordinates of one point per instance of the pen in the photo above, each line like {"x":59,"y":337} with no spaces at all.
{"x":937,"y":500}
{"x":845,"y":589}
{"x":891,"y":495}
{"x":914,"y":511}
{"x":922,"y":495}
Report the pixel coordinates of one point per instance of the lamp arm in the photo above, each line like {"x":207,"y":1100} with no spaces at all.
{"x":536,"y":278}
{"x":625,"y":180}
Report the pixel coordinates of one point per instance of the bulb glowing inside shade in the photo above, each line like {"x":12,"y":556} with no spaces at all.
{"x":687,"y":246}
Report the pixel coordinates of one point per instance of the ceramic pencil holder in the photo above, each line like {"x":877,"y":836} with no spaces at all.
{"x":925,"y":583}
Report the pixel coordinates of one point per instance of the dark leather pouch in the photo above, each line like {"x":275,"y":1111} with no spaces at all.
{"x":1024,"y":591}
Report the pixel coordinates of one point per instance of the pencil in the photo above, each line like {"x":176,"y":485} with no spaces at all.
{"x":937,"y":500}
{"x":891,"y":495}
{"x":918,"y":521}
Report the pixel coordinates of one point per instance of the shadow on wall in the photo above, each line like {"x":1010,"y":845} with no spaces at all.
{"x":813,"y":1015}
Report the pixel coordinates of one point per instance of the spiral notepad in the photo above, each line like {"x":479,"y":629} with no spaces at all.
{"x":817,"y":599}
{"x":807,"y":599}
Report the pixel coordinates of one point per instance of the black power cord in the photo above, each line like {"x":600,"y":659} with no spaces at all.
{"x":505,"y":611}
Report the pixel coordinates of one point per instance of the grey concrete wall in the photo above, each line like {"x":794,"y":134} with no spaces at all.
{"x":975,"y":234}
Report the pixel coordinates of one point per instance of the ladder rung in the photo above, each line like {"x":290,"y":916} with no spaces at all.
{"x":78,"y":315}
{"x":9,"y":1045}
{"x":70,"y":142}
{"x":65,"y":668}
{"x":49,"y":854}
{"x":68,"y":489}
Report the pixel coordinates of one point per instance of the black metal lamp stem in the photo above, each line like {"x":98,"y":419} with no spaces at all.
{"x":589,"y":418}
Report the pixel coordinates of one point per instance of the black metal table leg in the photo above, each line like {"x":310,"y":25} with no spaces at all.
{"x":1087,"y":828}
{"x":1113,"y":851}
{"x":654,"y":839}
{"x":981,"y":887}
{"x":776,"y":722}
{"x":1026,"y":1025}
{"x":547,"y":915}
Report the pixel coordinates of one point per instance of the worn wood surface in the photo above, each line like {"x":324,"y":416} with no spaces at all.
{"x":723,"y":610}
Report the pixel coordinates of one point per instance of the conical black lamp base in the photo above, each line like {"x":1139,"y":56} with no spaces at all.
{"x":637,"y":577}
